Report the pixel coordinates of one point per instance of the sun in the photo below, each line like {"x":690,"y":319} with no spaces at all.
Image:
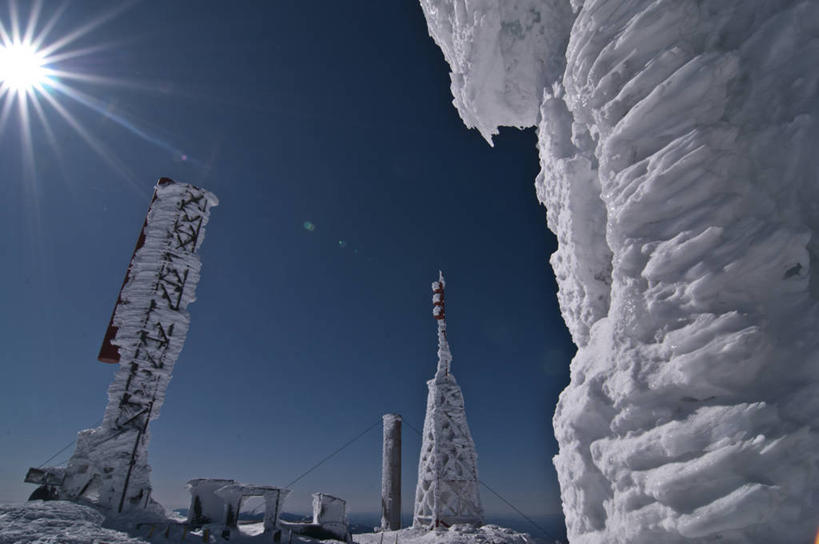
{"x":22,"y":67}
{"x":39,"y":77}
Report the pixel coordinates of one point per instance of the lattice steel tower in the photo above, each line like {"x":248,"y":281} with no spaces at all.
{"x":109,"y":466}
{"x":447,"y":491}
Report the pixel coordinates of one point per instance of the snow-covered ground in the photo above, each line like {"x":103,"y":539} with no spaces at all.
{"x":52,"y":522}
{"x":62,"y":522}
{"x":457,"y":534}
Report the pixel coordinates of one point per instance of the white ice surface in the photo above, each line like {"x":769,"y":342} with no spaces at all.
{"x":679,"y":174}
{"x":501,"y":54}
{"x":458,"y":534}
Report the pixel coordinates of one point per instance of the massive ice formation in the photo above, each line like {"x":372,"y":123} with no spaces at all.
{"x":447,"y":490}
{"x":110,"y":463}
{"x":680,"y":177}
{"x":502,"y":54}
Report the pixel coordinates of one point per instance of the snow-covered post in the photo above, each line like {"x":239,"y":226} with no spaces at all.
{"x":391,"y":473}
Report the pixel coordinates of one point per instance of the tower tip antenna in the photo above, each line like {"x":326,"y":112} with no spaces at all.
{"x":438,"y":297}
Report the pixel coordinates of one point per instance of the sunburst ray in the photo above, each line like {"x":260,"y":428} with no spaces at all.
{"x":36,"y":80}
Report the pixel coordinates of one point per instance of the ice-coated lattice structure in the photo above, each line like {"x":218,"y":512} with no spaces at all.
{"x":677,"y":143}
{"x":110,"y":463}
{"x":447,"y":491}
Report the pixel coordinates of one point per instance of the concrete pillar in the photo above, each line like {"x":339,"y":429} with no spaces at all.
{"x":391,"y":474}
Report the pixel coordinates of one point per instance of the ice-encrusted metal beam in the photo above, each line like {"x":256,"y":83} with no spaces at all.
{"x":146,"y":334}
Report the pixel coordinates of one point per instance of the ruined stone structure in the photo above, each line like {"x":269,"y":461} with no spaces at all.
{"x":218,"y":501}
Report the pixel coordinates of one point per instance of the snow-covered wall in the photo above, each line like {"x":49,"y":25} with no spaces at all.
{"x":680,"y":177}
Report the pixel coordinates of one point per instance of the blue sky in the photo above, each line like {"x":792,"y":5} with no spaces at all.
{"x":337,"y":114}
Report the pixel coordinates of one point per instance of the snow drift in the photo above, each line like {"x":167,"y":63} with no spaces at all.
{"x":39,"y":522}
{"x":678,"y":171}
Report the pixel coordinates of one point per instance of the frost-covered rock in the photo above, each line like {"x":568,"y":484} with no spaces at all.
{"x":680,"y":177}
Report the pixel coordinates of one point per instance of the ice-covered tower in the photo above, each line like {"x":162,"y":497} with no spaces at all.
{"x":147,"y":330}
{"x":447,"y":491}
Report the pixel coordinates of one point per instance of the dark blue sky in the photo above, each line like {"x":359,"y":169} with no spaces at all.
{"x":334,"y":113}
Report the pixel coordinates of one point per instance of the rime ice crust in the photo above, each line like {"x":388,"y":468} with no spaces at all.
{"x":447,"y":491}
{"x":679,"y":174}
{"x":161,"y":284}
{"x":502,"y":55}
{"x":568,"y":186}
{"x":152,"y":321}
